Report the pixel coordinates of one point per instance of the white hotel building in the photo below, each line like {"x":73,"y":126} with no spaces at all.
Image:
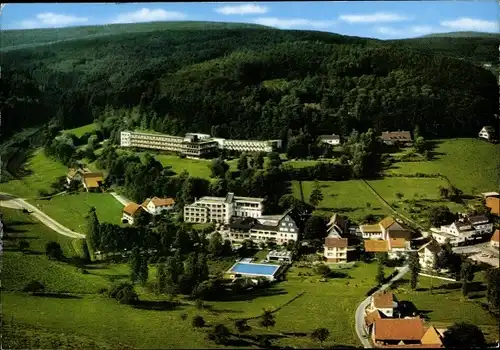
{"x":221,"y":209}
{"x":194,"y":145}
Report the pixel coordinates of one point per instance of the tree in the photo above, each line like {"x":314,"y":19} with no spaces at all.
{"x":267,"y":319}
{"x":161,"y":278}
{"x":322,"y":269}
{"x":315,"y":228}
{"x":93,"y":226}
{"x":53,"y":251}
{"x":316,"y":195}
{"x":274,"y":159}
{"x":379,"y":277}
{"x":124,"y":293}
{"x":258,"y":160}
{"x":414,"y":265}
{"x":173,"y":270}
{"x":443,"y":192}
{"x":218,"y":168}
{"x":85,"y":251}
{"x":33,"y":287}
{"x":492,"y":283}
{"x":241,"y":325}
{"x":219,"y":334}
{"x":382,"y":257}
{"x":440,"y":215}
{"x":138,"y":266}
{"x":216,"y":245}
{"x":23,"y":245}
{"x":420,"y":145}
{"x":464,"y":335}
{"x":243,"y":162}
{"x":466,"y":275}
{"x":320,"y":334}
{"x":198,"y":321}
{"x":399,"y":195}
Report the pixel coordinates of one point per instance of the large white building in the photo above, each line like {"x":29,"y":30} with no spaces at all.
{"x":280,"y":229}
{"x":464,"y":231}
{"x":194,"y":145}
{"x":221,"y":209}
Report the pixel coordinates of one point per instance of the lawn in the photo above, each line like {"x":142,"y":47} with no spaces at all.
{"x":195,"y":167}
{"x":78,"y":132}
{"x":164,"y":329}
{"x":471,"y":165}
{"x":352,"y":198}
{"x":446,"y":305}
{"x":42,"y":172}
{"x":71,"y":210}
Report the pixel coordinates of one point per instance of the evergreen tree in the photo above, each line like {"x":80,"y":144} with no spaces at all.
{"x":316,"y":195}
{"x":466,"y":275}
{"x":243,"y":162}
{"x":379,"y":277}
{"x":93,"y":226}
{"x":414,"y":265}
{"x":135,"y":263}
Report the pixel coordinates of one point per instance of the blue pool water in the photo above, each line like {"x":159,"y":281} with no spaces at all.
{"x":257,"y":269}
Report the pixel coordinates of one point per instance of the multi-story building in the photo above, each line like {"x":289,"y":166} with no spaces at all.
{"x":332,"y":140}
{"x":428,"y":254}
{"x":280,"y":229}
{"x":335,"y":249}
{"x":194,"y":145}
{"x":464,"y":231}
{"x":221,"y":209}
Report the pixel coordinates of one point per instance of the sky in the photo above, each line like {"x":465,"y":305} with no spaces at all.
{"x":377,"y":19}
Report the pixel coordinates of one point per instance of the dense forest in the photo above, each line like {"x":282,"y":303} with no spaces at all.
{"x":251,"y":83}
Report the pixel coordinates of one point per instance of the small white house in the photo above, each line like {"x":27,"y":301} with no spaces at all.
{"x":130,"y":212}
{"x":385,"y":302}
{"x":487,"y":133}
{"x":156,"y":206}
{"x":332,"y":140}
{"x":428,"y":253}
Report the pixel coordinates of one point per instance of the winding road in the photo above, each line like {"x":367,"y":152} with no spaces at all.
{"x":360,"y":311}
{"x":10,"y":201}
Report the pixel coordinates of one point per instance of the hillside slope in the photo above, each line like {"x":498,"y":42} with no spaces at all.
{"x":246,"y":82}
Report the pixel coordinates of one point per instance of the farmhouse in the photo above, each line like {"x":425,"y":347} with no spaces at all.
{"x":130,"y":212}
{"x":90,"y":180}
{"x":194,"y":145}
{"x":335,"y":249}
{"x":332,"y":140}
{"x":494,"y":204}
{"x":463,"y":231}
{"x":385,"y":229}
{"x":156,"y":206}
{"x":487,"y":133}
{"x":221,"y":209}
{"x":494,"y":241}
{"x":404,"y":333}
{"x":396,"y":138}
{"x":280,"y":229}
{"x":337,"y":226}
{"x":428,"y":253}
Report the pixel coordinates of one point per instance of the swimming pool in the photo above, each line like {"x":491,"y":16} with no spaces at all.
{"x":250,"y":269}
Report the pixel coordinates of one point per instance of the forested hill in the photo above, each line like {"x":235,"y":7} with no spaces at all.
{"x":246,"y":82}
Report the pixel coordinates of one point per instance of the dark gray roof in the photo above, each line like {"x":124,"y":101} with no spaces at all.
{"x":242,"y":223}
{"x":477,"y":219}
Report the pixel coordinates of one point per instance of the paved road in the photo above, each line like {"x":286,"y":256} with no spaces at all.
{"x":360,"y":311}
{"x":9,"y":201}
{"x":120,"y":198}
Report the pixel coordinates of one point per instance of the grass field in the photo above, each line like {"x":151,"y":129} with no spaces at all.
{"x":71,"y":210}
{"x":78,"y":132}
{"x":471,"y":165}
{"x":446,"y":305}
{"x":42,"y":172}
{"x":195,"y":167}
{"x":347,"y":197}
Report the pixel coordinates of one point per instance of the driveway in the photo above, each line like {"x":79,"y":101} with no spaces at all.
{"x":360,"y":311}
{"x":121,"y":199}
{"x":10,"y":201}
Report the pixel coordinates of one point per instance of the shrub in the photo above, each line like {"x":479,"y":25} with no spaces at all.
{"x":33,"y":287}
{"x":102,"y":290}
{"x":198,"y":321}
{"x":184,"y":316}
{"x":124,"y":293}
{"x":322,"y":269}
{"x":53,"y":251}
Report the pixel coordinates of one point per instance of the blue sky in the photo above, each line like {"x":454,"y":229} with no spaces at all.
{"x":381,"y":19}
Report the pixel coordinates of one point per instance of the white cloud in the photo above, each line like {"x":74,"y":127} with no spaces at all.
{"x":376,"y":17}
{"x":148,"y":15}
{"x":389,"y":31}
{"x":246,"y":9}
{"x":288,"y":23}
{"x":50,"y":19}
{"x":472,"y":24}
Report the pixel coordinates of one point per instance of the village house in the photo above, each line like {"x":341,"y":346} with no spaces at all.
{"x":335,"y":249}
{"x":90,"y":180}
{"x":396,"y":138}
{"x":464,"y":231}
{"x":384,"y":302}
{"x":389,"y":236}
{"x":156,"y":206}
{"x":487,"y":133}
{"x":428,"y":254}
{"x":495,"y":238}
{"x":332,"y":140}
{"x":337,"y":226}
{"x":493,"y":203}
{"x":130,"y":212}
{"x":371,"y":231}
{"x":404,"y":333}
{"x":280,"y":229}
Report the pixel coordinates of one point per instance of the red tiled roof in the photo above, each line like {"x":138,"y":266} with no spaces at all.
{"x":397,"y":242}
{"x":376,"y":246}
{"x":161,"y":202}
{"x":399,"y":329}
{"x":494,"y":204}
{"x":496,"y":236}
{"x":132,"y":208}
{"x":332,"y":242}
{"x":383,"y":300}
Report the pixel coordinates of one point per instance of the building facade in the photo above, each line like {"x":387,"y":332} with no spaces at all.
{"x":194,"y":145}
{"x":156,"y":206}
{"x":332,"y":140}
{"x":221,"y":209}
{"x":487,"y":133}
{"x":428,"y":254}
{"x":335,"y":249}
